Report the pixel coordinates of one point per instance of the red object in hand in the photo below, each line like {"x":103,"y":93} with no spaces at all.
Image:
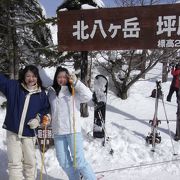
{"x":70,"y":81}
{"x":45,"y":120}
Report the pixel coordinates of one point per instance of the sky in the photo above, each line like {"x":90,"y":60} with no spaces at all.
{"x":51,"y":5}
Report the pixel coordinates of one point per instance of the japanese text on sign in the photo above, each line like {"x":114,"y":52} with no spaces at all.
{"x":131,"y":29}
{"x":147,"y":27}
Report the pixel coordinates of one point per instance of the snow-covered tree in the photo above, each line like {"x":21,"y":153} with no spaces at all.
{"x":77,"y":4}
{"x":23,"y":36}
{"x":124,"y":68}
{"x":121,"y":67}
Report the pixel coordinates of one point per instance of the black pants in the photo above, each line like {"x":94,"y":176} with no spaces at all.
{"x":171,"y":91}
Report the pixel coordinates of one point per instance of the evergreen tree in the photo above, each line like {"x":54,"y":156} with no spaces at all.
{"x":76,"y":4}
{"x":22,"y":35}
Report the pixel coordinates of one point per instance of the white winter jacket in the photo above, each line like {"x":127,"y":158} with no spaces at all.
{"x":62,"y":108}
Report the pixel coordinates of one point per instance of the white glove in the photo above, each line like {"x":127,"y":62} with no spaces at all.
{"x":33,"y":123}
{"x":73,"y":78}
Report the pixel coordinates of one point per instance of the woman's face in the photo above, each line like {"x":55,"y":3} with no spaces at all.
{"x":62,"y":78}
{"x":30,"y":79}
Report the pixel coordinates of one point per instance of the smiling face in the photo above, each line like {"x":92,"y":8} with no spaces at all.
{"x":62,"y":78}
{"x":30,"y":79}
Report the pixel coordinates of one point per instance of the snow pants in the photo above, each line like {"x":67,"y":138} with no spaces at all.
{"x":21,"y":157}
{"x":171,"y":91}
{"x":64,"y":145}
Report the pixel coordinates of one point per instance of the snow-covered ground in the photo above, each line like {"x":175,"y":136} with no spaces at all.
{"x":127,"y":125}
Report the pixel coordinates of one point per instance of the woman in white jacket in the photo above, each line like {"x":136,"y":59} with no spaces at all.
{"x":65,"y":98}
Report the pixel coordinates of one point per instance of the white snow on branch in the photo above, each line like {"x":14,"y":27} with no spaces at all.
{"x":99,"y":3}
{"x":87,"y":6}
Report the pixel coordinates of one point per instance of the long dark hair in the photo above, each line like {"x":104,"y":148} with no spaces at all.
{"x":34,"y":70}
{"x":55,"y":85}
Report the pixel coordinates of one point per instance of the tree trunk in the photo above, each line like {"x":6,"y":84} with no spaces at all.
{"x":9,"y":43}
{"x":122,"y":90}
{"x":84,"y":79}
{"x":12,"y":53}
{"x":122,"y":94}
{"x":15,"y":55}
{"x":164,"y":72}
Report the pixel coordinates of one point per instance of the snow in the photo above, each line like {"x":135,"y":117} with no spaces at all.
{"x":99,"y":3}
{"x":99,"y":88}
{"x":87,"y":6}
{"x":127,"y":125}
{"x":53,"y":29}
{"x":43,"y":10}
{"x":64,"y":9}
